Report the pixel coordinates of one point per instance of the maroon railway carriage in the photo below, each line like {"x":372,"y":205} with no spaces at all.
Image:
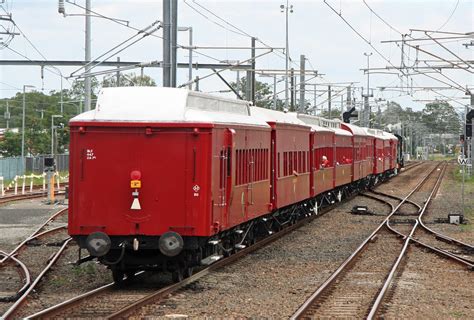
{"x":290,"y":152}
{"x":385,"y":152}
{"x":168,"y":179}
{"x":321,"y":144}
{"x":362,"y":162}
{"x":155,"y":172}
{"x":393,"y":151}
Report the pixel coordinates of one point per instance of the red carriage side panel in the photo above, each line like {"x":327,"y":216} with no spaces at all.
{"x":362,"y":166}
{"x":250,"y":171}
{"x":344,"y":152}
{"x":292,"y":168}
{"x":323,"y":175}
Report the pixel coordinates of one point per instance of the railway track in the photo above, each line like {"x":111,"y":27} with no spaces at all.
{"x":29,"y":195}
{"x":114,"y":302}
{"x":31,"y":260}
{"x":359,"y":285}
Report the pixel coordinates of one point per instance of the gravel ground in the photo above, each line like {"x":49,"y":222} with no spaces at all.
{"x":448,"y":200}
{"x":272,"y":282}
{"x":354,"y":292}
{"x":282,"y":275}
{"x":66,"y":281}
{"x":430,"y":288}
{"x":20,"y":219}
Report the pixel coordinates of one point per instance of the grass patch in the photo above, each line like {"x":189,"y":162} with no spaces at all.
{"x":458,"y":314}
{"x":468,"y":196}
{"x":87,"y":269}
{"x":441,"y":157}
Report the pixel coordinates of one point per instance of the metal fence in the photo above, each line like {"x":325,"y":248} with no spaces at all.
{"x":11,"y":167}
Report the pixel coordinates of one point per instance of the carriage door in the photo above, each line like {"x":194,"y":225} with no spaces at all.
{"x":225,"y":174}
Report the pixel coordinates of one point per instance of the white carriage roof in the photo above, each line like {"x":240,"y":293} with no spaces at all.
{"x":356,"y":130}
{"x":310,"y":120}
{"x":390,"y":135}
{"x":332,"y":125}
{"x":269,"y":115}
{"x":377,"y":133}
{"x":165,"y":105}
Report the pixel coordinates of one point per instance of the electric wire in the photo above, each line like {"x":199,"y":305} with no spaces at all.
{"x":137,"y":29}
{"x":143,"y":32}
{"x":458,"y":86}
{"x":56,"y":72}
{"x":450,"y":16}
{"x":239,"y":30}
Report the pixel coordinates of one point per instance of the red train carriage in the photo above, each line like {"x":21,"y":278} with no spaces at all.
{"x":378,"y":150}
{"x":322,"y":155}
{"x":393,"y":151}
{"x":363,"y":163}
{"x":167,"y":179}
{"x":290,"y":151}
{"x":155,"y":172}
{"x":344,"y":157}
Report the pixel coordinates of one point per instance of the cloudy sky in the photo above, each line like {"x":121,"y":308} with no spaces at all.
{"x":318,"y":32}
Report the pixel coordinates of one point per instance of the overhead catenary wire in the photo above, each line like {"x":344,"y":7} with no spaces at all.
{"x":144,"y":33}
{"x":361,"y":36}
{"x":457,"y":85}
{"x":129,"y":26}
{"x":239,"y":31}
{"x":56,"y":72}
{"x":450,"y":16}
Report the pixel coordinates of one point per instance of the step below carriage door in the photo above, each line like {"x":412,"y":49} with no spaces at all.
{"x":225,"y":174}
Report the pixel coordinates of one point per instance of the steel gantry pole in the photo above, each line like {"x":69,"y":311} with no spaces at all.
{"x":287,"y":9}
{"x":166,"y":43}
{"x":23,"y":126}
{"x":174,"y":40}
{"x":87,"y":78}
{"x":302,"y":82}
{"x":367,"y":95}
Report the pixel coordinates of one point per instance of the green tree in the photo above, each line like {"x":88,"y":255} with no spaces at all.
{"x":78,"y":88}
{"x":263,"y":93}
{"x":10,"y":146}
{"x":129,"y":80}
{"x":441,"y":117}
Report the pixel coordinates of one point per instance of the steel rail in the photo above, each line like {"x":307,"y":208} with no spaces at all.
{"x":299,"y":314}
{"x":19,"y":197}
{"x":416,"y":164}
{"x":56,"y":309}
{"x":34,"y":234}
{"x":388,"y":281}
{"x":122,"y":313}
{"x":39,"y":235}
{"x":9,"y":314}
{"x":125,"y":312}
{"x":444,"y":253}
{"x":36,"y":189}
{"x":437,"y":235}
{"x":26,"y":272}
{"x":395,"y":198}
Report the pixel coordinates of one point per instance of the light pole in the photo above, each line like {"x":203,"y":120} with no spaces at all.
{"x":52,"y":132}
{"x":23,"y":126}
{"x":287,"y":54}
{"x":367,"y":95}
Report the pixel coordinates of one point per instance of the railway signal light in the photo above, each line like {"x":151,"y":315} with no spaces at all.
{"x":346,"y":116}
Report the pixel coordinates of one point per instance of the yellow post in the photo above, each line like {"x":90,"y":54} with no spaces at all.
{"x":51,"y":186}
